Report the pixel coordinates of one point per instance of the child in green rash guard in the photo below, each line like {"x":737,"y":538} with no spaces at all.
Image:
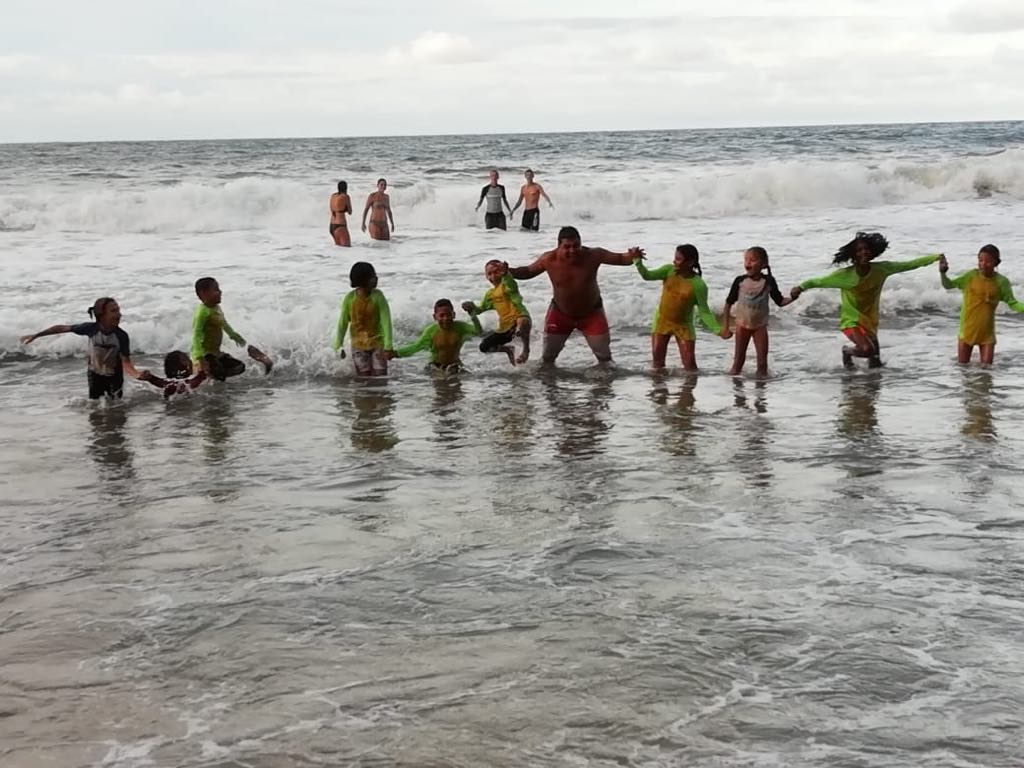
{"x":861,"y":289}
{"x":366,"y":310}
{"x":683,"y":290}
{"x":208,"y":329}
{"x":444,"y":338}
{"x":983,"y":289}
{"x":513,"y":319}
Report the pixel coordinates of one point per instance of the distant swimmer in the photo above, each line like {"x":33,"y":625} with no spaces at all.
{"x":531,"y":193}
{"x":860,"y":288}
{"x":340,"y":205}
{"x":208,"y":328}
{"x":110,"y":352}
{"x":494,"y":194}
{"x":380,"y":205}
{"x":576,"y":302}
{"x":983,"y":289}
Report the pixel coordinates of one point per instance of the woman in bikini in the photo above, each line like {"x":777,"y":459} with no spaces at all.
{"x":340,"y":205}
{"x":381,"y":205}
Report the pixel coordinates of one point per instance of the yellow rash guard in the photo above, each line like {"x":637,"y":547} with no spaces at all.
{"x":978,"y":310}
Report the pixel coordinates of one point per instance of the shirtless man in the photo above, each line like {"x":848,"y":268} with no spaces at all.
{"x":381,"y":205}
{"x":531,"y":192}
{"x":494,"y":194}
{"x":340,"y":205}
{"x":576,"y":301}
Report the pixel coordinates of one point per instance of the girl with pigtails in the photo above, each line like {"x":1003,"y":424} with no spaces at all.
{"x":683,"y":290}
{"x":748,"y":297}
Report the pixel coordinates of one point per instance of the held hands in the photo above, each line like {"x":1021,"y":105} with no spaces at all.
{"x":390,"y":354}
{"x":725,"y":333}
{"x":364,"y":226}
{"x":636,"y":252}
{"x":469,"y":307}
{"x":943,"y":264}
{"x":795,"y":292}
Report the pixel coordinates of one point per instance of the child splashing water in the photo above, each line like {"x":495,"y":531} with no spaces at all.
{"x":443,"y":338}
{"x":513,"y":319}
{"x":983,"y":288}
{"x":683,"y":289}
{"x":860,"y":288}
{"x":749,"y":296}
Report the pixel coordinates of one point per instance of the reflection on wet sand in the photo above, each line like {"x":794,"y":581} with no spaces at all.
{"x":753,"y":456}
{"x":373,"y":429}
{"x":109,"y":446}
{"x":678,"y":414}
{"x":449,"y":420}
{"x":579,"y":414}
{"x":858,"y":406}
{"x":977,"y":399}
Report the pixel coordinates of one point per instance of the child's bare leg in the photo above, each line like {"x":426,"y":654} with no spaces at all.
{"x":863,"y":346}
{"x":739,"y":357}
{"x":523,"y":328}
{"x":760,"y":336}
{"x":259,"y":357}
{"x":987,"y":353}
{"x":964,"y":352}
{"x":687,"y":354}
{"x":659,"y":350}
{"x":507,"y":349}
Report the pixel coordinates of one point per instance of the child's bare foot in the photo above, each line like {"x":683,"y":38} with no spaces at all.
{"x":524,"y":355}
{"x":735,"y":370}
{"x":261,"y":358}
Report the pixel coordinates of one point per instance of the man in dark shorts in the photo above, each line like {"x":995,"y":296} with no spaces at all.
{"x":576,"y":301}
{"x":531,"y":193}
{"x":494,"y":194}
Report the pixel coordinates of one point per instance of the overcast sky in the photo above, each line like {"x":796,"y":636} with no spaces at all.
{"x":139,"y":69}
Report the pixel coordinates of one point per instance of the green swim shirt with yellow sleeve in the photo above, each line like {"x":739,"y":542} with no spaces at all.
{"x":680,"y":296}
{"x":859,"y":295}
{"x":208,"y":329}
{"x":369,"y":318}
{"x":981,"y":296}
{"x":505,"y":299}
{"x":445,"y":345}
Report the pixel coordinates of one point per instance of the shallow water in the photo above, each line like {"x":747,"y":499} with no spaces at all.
{"x":512,"y":567}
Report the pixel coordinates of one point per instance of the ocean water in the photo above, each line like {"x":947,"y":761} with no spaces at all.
{"x":512,"y":567}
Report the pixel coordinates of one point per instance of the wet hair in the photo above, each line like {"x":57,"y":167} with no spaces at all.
{"x":875,"y":241}
{"x":342,"y":187}
{"x":177,"y":365}
{"x":99,"y":306}
{"x":992,"y":251}
{"x":444,"y":303}
{"x":691,"y":254}
{"x":762,"y":254}
{"x":381,"y":179}
{"x":569,"y":233}
{"x":361,"y":273}
{"x":528,"y":170}
{"x":204,"y":284}
{"x":499,"y":262}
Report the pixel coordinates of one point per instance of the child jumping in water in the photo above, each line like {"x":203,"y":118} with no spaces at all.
{"x":444,"y":338}
{"x":860,"y":290}
{"x":749,"y":295}
{"x":983,"y":289}
{"x":110,"y":353}
{"x":208,"y":329}
{"x":178,"y":369}
{"x":513,"y":319}
{"x":683,"y":289}
{"x":366,"y":309}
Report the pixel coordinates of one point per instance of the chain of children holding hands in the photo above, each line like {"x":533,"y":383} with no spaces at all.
{"x":576,"y":305}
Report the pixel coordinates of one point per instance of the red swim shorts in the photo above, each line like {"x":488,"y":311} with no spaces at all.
{"x":557,"y":323}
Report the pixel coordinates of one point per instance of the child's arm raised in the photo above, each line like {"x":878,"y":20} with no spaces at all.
{"x":422,"y":343}
{"x":892,"y":267}
{"x":652,"y":274}
{"x":846,"y":277}
{"x":53,"y":330}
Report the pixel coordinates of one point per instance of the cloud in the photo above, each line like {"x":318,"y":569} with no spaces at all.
{"x":436,"y":48}
{"x":982,"y":17}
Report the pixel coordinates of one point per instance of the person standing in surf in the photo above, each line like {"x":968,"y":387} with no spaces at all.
{"x":494,"y":194}
{"x":340,"y":204}
{"x":860,"y":288}
{"x":983,"y":289}
{"x":576,"y":301}
{"x":749,"y":296}
{"x":380,"y":204}
{"x":531,"y":192}
{"x":683,"y":290}
{"x":110,"y":351}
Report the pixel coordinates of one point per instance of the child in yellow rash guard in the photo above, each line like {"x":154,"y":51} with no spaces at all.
{"x":861,"y":289}
{"x":683,"y":290}
{"x":983,"y":289}
{"x":513,"y":319}
{"x":366,"y":311}
{"x":444,"y":338}
{"x":208,"y":329}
